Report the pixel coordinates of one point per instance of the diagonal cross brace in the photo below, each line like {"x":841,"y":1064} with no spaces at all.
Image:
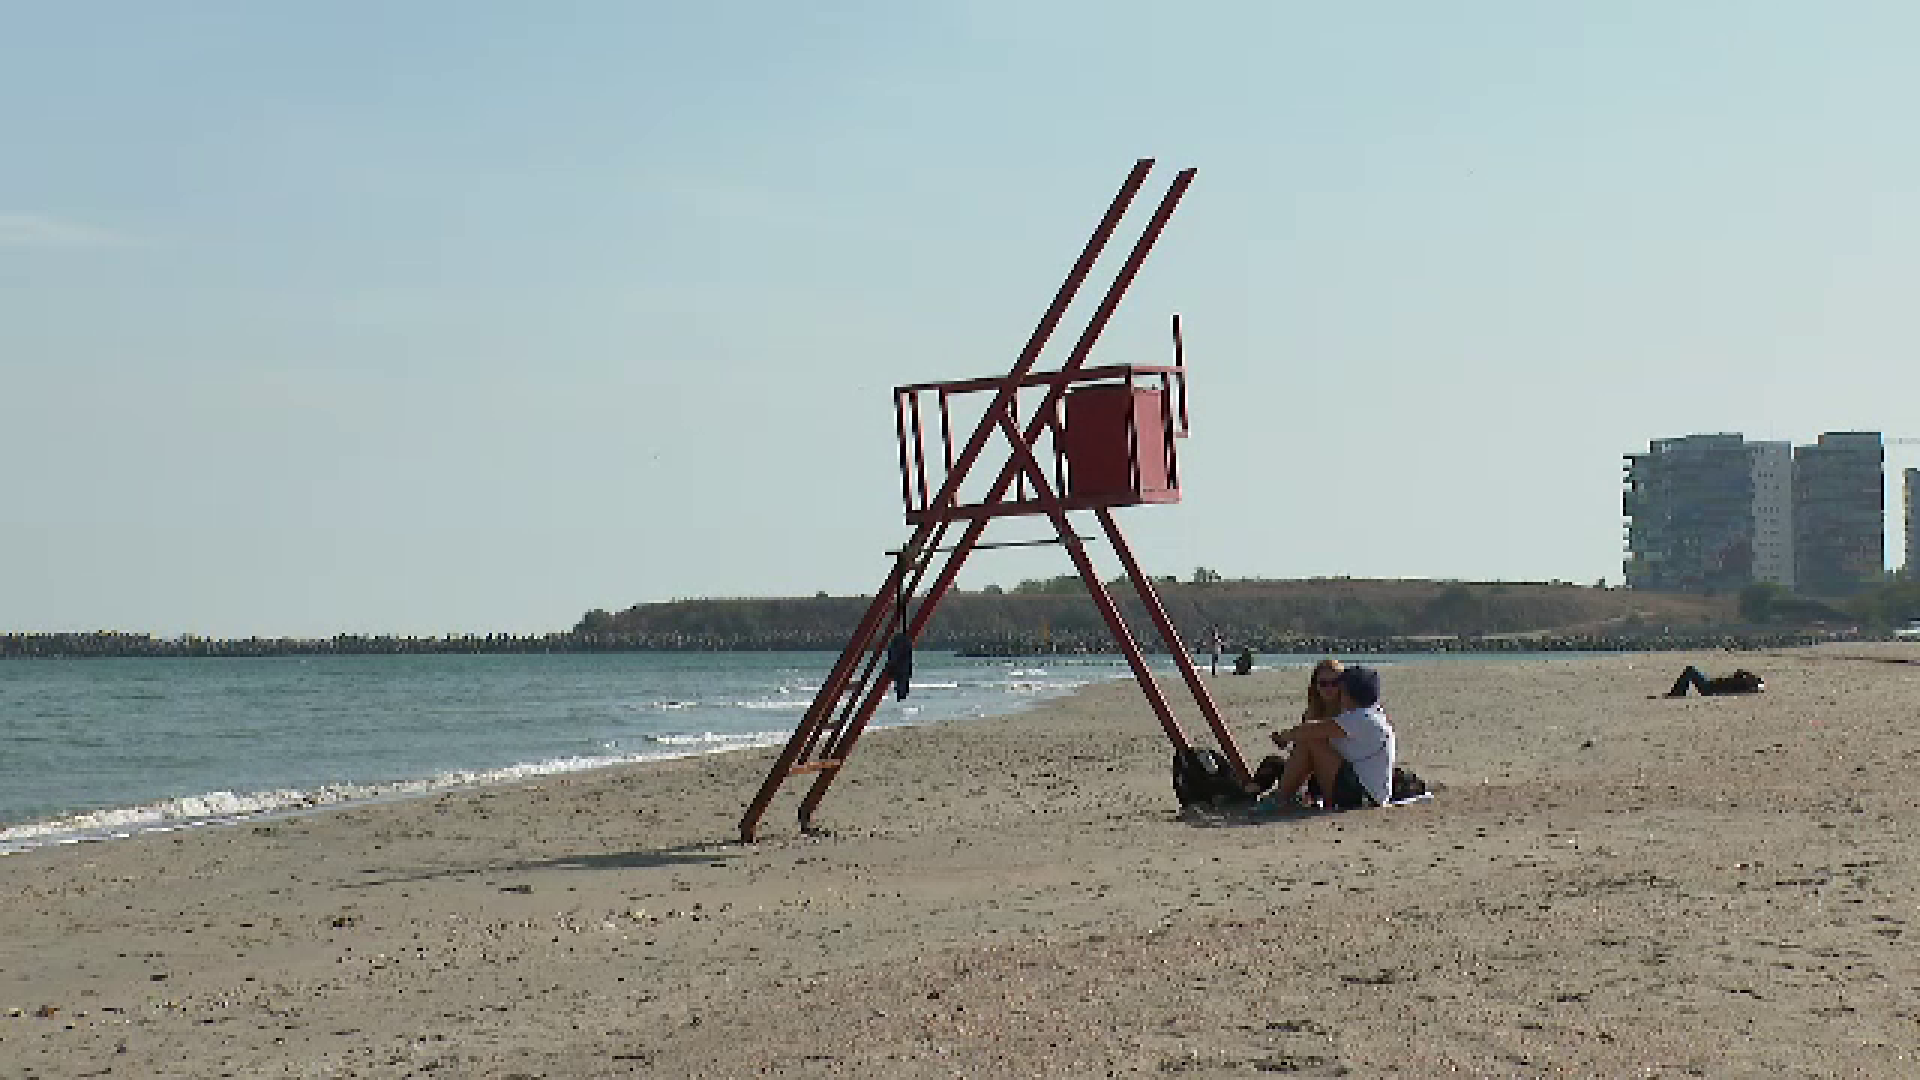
{"x":863,"y":636}
{"x":1042,"y":416}
{"x":1021,"y":466}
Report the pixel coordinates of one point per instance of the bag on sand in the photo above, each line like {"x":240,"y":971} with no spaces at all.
{"x":1203,"y":776}
{"x":1407,"y":784}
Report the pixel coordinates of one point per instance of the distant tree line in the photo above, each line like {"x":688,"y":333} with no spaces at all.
{"x":1891,"y":602}
{"x":1056,"y":615}
{"x":1326,"y":615}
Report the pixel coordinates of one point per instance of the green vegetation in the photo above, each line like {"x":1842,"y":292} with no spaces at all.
{"x":1886,"y":605}
{"x":1057,"y":613}
{"x":1892,"y":603}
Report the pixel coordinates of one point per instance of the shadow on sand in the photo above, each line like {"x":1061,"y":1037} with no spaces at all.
{"x":1267,"y":813}
{"x":1239,"y":817}
{"x":712,"y":853}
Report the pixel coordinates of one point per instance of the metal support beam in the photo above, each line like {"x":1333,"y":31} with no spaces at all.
{"x":1022,"y":470}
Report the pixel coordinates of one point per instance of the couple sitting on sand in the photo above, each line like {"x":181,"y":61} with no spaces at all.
{"x":1343,"y":743}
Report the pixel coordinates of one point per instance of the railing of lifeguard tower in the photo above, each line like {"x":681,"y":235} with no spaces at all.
{"x":918,"y":485}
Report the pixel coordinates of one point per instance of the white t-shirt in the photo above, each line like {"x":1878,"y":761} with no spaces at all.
{"x":1368,"y":747}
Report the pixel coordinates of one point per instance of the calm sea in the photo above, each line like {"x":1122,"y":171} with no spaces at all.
{"x":92,"y":748}
{"x":97,"y":748}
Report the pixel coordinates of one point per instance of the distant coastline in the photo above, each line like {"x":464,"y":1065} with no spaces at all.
{"x":109,"y":645}
{"x":1056,"y":616}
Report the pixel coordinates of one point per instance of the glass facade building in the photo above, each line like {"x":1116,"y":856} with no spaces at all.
{"x":1715,"y":512}
{"x":1689,"y":505}
{"x":1839,"y":513}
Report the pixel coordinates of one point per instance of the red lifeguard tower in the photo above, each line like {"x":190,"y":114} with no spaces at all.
{"x":1110,"y":434}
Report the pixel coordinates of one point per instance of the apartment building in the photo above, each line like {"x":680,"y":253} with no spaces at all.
{"x":1711,"y":512}
{"x":1913,"y":524}
{"x":1839,"y":515}
{"x":1690,"y":509}
{"x":1772,"y":464}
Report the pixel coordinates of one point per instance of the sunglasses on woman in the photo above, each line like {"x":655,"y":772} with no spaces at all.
{"x":1328,"y":683}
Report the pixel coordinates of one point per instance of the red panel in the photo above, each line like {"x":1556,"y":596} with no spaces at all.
{"x":1116,"y":445}
{"x":1150,"y":442}
{"x":1097,"y":430}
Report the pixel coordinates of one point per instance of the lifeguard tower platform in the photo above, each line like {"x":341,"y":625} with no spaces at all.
{"x":1073,"y":440}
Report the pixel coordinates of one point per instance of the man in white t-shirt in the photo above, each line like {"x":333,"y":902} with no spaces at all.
{"x":1350,"y":756}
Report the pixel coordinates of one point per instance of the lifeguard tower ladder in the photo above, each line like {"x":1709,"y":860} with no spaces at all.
{"x":1110,"y":432}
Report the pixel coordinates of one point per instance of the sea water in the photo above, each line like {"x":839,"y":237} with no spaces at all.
{"x":97,"y":748}
{"x":93,"y":748}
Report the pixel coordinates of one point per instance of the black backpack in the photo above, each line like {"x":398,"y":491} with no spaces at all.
{"x":1407,"y":783}
{"x":1203,"y":776}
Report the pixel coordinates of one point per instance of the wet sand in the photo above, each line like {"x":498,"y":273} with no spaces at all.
{"x":1607,"y":885}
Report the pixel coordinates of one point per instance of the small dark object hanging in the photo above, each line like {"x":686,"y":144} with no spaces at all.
{"x":900,"y":664}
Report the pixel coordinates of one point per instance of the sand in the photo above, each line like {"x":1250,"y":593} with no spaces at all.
{"x":1607,"y":885}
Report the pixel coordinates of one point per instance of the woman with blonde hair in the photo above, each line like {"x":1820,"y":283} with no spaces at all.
{"x":1323,"y":703}
{"x":1323,"y":692}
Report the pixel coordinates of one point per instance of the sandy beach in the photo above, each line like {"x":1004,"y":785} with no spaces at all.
{"x":1606,"y":885}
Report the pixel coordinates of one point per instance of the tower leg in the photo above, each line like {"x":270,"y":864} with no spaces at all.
{"x":1150,"y":599}
{"x":830,"y":693}
{"x":941,"y":510}
{"x":1070,"y":539}
{"x":850,"y":735}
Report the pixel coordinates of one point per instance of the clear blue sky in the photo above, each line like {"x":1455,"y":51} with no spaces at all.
{"x":441,"y":317}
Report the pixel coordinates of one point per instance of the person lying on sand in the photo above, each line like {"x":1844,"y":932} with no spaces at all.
{"x":1349,"y":756}
{"x":1741,"y":681}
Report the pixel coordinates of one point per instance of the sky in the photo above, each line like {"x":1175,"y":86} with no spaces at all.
{"x":469,"y":317}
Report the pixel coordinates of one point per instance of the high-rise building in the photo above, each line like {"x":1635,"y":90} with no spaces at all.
{"x":1772,"y":511}
{"x":1839,"y":514}
{"x":1913,"y":524}
{"x":1690,"y":502}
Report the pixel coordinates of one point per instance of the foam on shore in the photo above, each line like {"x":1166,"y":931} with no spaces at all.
{"x":231,"y":808}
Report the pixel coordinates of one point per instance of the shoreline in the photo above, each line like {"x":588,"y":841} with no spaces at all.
{"x":240,"y":805}
{"x":1606,"y":884}
{"x":126,"y":822}
{"x":232,"y":807}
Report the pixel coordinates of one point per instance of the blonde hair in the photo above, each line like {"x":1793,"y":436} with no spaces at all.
{"x":1318,"y":708}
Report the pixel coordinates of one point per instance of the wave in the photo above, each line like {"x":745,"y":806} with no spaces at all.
{"x":230,"y":807}
{"x":1042,"y":686}
{"x":712,"y":738}
{"x":641,"y":723}
{"x":659,"y":705}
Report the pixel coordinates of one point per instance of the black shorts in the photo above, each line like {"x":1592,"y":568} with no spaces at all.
{"x":1348,"y":792}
